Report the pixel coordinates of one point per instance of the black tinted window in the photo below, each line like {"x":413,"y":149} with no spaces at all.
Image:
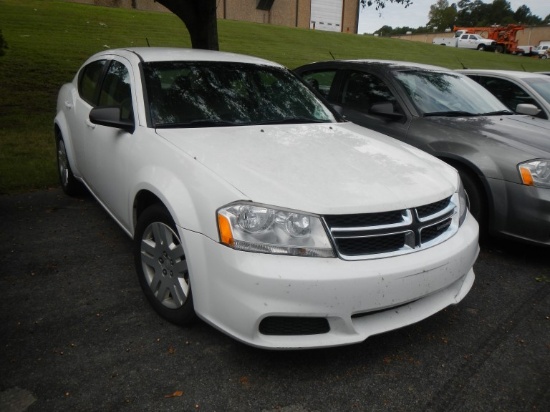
{"x":320,"y":81}
{"x":362,"y":90}
{"x":88,"y":81}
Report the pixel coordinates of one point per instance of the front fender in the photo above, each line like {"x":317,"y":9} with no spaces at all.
{"x":192,"y":200}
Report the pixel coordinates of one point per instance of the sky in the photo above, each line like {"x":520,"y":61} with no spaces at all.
{"x":416,"y":15}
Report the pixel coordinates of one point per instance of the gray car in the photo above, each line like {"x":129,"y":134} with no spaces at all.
{"x":522,"y":92}
{"x":503,"y":158}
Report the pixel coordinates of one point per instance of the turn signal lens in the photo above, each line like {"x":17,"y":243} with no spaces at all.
{"x":535,"y":173}
{"x":226,"y":234}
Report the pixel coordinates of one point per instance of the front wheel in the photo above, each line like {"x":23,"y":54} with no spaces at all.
{"x":161,"y":266}
{"x":476,"y":198}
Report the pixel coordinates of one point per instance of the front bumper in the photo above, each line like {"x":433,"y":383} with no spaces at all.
{"x":522,"y":212}
{"x":234,"y":291}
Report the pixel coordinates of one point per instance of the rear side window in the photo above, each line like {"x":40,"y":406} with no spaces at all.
{"x":88,"y":81}
{"x":320,"y":81}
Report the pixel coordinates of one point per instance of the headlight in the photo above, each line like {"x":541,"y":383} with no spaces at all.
{"x":463,"y":203}
{"x":535,"y":173}
{"x":257,"y":228}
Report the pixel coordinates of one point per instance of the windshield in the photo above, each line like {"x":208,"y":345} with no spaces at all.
{"x":445,"y":94}
{"x":542,"y":86}
{"x":207,"y":94}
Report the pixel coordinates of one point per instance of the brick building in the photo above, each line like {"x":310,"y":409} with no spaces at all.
{"x":330,"y":15}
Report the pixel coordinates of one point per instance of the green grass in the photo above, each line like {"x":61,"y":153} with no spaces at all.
{"x":48,"y":40}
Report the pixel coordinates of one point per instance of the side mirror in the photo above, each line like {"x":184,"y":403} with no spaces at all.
{"x":527,"y":108}
{"x":385,"y":109}
{"x":110,"y":117}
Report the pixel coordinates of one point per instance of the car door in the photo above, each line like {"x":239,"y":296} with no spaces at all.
{"x":89,"y":82}
{"x":464,"y":41}
{"x":110,"y":148}
{"x":354,"y":93}
{"x":370,"y":101}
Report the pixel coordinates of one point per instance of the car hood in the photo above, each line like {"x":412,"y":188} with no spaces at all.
{"x":318,"y":168}
{"x":529,"y":135}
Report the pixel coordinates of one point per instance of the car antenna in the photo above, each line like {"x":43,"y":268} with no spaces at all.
{"x":147,"y":40}
{"x":523,"y":67}
{"x":332,"y":55}
{"x":462,"y":64}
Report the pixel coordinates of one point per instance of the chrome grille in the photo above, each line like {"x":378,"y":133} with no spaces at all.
{"x":375,"y":235}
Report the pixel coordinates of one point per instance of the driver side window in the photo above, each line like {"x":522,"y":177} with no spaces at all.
{"x":116,"y":91}
{"x":509,"y":93}
{"x":89,"y":79}
{"x":320,"y":81}
{"x":362,"y":90}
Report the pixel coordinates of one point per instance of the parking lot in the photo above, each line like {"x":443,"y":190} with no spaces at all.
{"x":77,"y":334}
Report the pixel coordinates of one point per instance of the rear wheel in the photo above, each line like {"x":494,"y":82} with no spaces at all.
{"x":161,"y":266}
{"x":69,"y":184}
{"x":481,"y":47}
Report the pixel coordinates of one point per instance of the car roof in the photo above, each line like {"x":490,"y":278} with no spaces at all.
{"x":505,"y":73}
{"x":384,"y":64}
{"x":159,"y":54}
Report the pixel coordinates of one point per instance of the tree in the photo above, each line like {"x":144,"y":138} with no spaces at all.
{"x":380,"y":4}
{"x":199,"y":16}
{"x":472,"y":13}
{"x":442,"y":15}
{"x":523,"y":15}
{"x":500,"y":12}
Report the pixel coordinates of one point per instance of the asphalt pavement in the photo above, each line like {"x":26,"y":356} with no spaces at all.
{"x":77,"y":334}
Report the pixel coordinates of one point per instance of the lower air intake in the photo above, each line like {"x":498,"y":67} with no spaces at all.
{"x":293,"y":326}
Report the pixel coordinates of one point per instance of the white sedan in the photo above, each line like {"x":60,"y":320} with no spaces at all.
{"x":253,"y":206}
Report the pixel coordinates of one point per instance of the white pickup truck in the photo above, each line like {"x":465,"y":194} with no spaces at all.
{"x":466,"y":41}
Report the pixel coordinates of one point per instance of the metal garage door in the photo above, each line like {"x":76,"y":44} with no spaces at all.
{"x":326,"y":15}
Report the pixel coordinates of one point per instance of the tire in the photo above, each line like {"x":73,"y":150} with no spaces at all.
{"x":68,"y":182}
{"x":161,"y":266}
{"x":481,"y":47}
{"x":477,"y":203}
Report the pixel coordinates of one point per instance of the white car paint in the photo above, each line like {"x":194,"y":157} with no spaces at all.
{"x":329,"y":168}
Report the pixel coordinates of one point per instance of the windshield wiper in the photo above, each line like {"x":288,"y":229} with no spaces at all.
{"x":195,"y":123}
{"x":292,"y":120}
{"x":498,"y":113}
{"x":452,"y":113}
